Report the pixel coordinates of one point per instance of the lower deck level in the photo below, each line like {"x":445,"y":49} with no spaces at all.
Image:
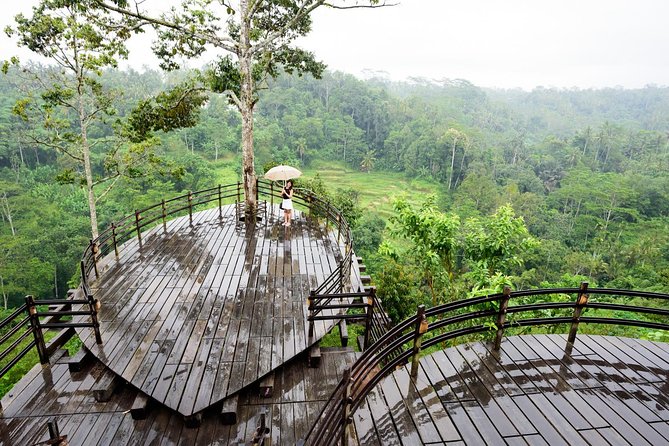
{"x":606,"y":391}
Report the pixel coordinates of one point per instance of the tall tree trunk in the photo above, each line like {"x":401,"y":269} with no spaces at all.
{"x":450,"y":176}
{"x":246,"y":108}
{"x":88,"y":171}
{"x":4,"y":295}
{"x":7,"y":211}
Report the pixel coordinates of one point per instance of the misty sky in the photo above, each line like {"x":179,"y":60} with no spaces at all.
{"x":492,"y":43}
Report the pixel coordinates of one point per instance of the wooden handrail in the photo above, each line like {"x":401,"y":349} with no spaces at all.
{"x":453,"y":321}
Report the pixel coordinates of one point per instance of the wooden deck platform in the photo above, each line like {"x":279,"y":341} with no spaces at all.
{"x":193,"y":314}
{"x":609,"y":391}
{"x":55,"y":393}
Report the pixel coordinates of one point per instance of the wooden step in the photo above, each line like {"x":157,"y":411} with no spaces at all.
{"x":105,"y":385}
{"x":140,"y":407}
{"x":314,"y":359}
{"x":193,"y":421}
{"x":362,"y":267}
{"x":365,"y":279}
{"x":77,"y":362}
{"x":229,"y":410}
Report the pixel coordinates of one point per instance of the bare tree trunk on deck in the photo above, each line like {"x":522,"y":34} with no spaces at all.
{"x":247,"y":104}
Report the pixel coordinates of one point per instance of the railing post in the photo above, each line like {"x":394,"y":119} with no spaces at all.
{"x":84,"y":278}
{"x":239,"y":187}
{"x":501,"y":316}
{"x":338,"y":227}
{"x":271,"y":195}
{"x":581,"y":302}
{"x":220,"y":203}
{"x":341,"y":276}
{"x":93,"y":307}
{"x":421,"y":327}
{"x":164,"y":212}
{"x":346,"y":418}
{"x":310,"y":306}
{"x":309,"y":206}
{"x":37,"y":330}
{"x":94,"y":252}
{"x":371,"y":301}
{"x":190,"y":207}
{"x":257,"y":193}
{"x":113,"y":228}
{"x":138,"y":218}
{"x":54,"y":434}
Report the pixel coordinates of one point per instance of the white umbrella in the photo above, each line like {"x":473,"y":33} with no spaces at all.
{"x":284,"y":173}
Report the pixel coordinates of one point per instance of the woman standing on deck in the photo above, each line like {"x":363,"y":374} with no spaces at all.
{"x":287,"y":205}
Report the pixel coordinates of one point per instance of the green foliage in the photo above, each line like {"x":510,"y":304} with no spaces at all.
{"x":368,"y":234}
{"x":176,"y":108}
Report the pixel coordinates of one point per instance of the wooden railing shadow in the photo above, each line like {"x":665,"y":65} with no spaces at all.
{"x":441,"y":325}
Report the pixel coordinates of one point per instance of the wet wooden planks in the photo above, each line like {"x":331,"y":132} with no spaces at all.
{"x":610,"y":391}
{"x":56,"y":393}
{"x":197,"y":313}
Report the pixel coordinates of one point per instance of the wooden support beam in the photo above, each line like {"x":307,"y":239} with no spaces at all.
{"x":59,"y":340}
{"x":140,"y":407}
{"x":314,"y":359}
{"x":105,"y":385}
{"x":193,"y":421}
{"x":361,"y":343}
{"x":362,"y":267}
{"x":343,"y":333}
{"x":267,"y":386}
{"x":229,"y":410}
{"x":366,"y":280}
{"x":77,"y":362}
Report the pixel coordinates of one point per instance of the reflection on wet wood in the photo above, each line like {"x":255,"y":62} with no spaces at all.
{"x":609,"y":391}
{"x":198,"y":312}
{"x":67,"y":397}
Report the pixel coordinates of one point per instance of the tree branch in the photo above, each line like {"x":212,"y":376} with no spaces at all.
{"x":370,"y":6}
{"x":106,"y":191}
{"x":225,"y":43}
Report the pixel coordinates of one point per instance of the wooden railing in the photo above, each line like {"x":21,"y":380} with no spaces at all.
{"x":361,"y":306}
{"x":133,"y":225}
{"x":24,"y":329}
{"x":441,"y":325}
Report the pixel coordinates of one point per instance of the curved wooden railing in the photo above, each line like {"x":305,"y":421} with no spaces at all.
{"x":133,"y":225}
{"x":492,"y":314}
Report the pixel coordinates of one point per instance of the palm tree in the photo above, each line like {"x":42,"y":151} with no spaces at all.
{"x":367,"y":163}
